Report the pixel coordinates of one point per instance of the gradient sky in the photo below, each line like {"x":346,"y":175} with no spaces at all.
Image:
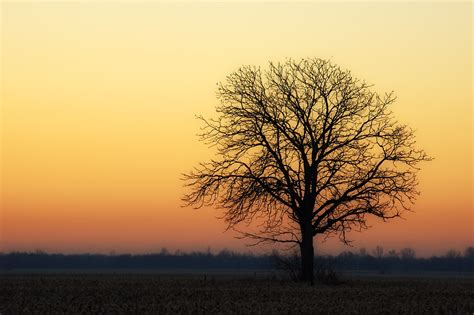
{"x":99,"y":102}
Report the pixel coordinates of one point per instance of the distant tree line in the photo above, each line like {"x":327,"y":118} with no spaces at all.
{"x":404,"y":260}
{"x":377,"y":260}
{"x":225,"y":259}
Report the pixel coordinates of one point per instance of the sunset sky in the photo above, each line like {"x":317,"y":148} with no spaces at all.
{"x":99,"y":102}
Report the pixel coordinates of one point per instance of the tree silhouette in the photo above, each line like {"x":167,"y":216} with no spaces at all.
{"x":309,"y":150}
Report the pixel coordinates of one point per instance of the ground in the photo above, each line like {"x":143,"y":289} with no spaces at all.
{"x":211,"y":293}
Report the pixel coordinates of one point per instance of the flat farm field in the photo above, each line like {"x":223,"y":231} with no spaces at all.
{"x":217,"y":294}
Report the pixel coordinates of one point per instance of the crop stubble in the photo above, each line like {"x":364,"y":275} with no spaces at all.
{"x":158,"y":293}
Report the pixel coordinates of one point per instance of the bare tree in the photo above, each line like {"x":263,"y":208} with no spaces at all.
{"x":407,"y":253}
{"x":309,"y":150}
{"x":392,"y":254}
{"x":378,"y":252}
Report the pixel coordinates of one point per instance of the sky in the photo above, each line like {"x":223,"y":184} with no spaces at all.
{"x":99,"y":100}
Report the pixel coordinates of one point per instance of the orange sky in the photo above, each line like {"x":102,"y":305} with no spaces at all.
{"x":98,"y":102}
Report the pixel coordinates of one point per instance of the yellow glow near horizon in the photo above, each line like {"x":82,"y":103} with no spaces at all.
{"x":98,"y":105}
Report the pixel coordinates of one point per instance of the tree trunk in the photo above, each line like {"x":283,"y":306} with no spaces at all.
{"x":307,"y":254}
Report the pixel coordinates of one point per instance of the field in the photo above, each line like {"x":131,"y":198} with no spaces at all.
{"x":202,"y":293}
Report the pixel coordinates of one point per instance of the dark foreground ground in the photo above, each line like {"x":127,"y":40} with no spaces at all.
{"x":219,"y":293}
